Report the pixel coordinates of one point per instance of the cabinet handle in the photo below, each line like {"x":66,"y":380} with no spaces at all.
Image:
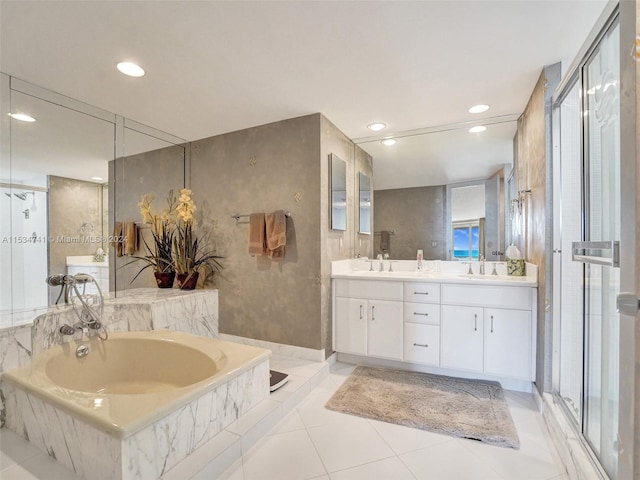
{"x":491,"y":323}
{"x":373,"y":312}
{"x":475,"y":322}
{"x":418,"y":313}
{"x":421,"y":293}
{"x":360,"y":312}
{"x":420,"y":345}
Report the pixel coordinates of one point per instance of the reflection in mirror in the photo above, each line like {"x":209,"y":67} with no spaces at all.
{"x":52,"y":209}
{"x":468,"y":221}
{"x":58,"y":189}
{"x":364,"y":210}
{"x":413,"y":179}
{"x":338,"y":175}
{"x":152,"y":164}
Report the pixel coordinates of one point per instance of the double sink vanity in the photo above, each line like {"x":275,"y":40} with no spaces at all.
{"x":439,"y":319}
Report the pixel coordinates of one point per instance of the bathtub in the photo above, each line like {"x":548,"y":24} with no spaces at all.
{"x":150,"y":397}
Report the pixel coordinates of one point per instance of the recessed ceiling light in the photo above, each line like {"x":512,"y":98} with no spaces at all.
{"x":130,"y":69}
{"x":376,"y":127}
{"x":388,"y":141}
{"x":97,"y":178}
{"x":477,"y":129}
{"x":23,"y":117}
{"x":479,"y":108}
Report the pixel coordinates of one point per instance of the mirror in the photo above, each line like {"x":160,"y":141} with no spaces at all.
{"x":364,"y":208}
{"x":338,"y":194}
{"x":57,"y":189}
{"x":412,"y":204}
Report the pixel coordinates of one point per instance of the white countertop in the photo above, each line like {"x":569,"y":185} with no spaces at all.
{"x":433,"y":272}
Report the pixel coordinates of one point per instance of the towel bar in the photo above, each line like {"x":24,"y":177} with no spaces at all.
{"x":238,"y":216}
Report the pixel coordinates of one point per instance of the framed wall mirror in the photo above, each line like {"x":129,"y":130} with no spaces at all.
{"x":364,"y":204}
{"x":338,"y":193}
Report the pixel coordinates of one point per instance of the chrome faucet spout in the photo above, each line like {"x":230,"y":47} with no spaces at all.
{"x":481,"y":264}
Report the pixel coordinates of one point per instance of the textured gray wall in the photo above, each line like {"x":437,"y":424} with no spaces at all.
{"x":532,"y":163}
{"x":262,"y":169}
{"x":154,"y":172}
{"x":417,"y":216}
{"x":73,"y":203}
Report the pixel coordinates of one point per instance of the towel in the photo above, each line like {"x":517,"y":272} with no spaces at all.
{"x":256,"y":234}
{"x":276,"y":233}
{"x":130,"y":238}
{"x":116,"y":240}
{"x":385,"y":238}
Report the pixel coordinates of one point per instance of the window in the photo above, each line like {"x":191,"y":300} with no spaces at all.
{"x":466,"y":241}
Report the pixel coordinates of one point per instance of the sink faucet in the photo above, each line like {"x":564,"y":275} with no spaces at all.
{"x":481,"y":264}
{"x":380,"y":257}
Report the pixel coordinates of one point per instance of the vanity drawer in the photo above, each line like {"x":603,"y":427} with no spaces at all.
{"x":422,"y":313}
{"x":371,"y":289}
{"x":422,"y":292}
{"x":422,"y":343}
{"x":487,"y":296}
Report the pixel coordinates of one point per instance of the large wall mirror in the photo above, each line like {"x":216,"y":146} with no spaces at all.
{"x":338,"y":193}
{"x":67,"y":171}
{"x":413,"y":207}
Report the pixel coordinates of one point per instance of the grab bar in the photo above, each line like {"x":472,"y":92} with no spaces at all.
{"x":596,"y":253}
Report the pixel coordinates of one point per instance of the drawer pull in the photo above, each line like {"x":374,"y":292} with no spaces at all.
{"x":475,"y":322}
{"x":360,"y":312}
{"x":491,"y":323}
{"x":373,"y":312}
{"x":420,"y":345}
{"x":418,"y":313}
{"x":421,"y":293}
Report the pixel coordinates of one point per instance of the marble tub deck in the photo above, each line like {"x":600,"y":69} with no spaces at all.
{"x":21,"y":460}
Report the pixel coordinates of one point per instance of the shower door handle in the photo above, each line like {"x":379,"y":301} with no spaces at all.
{"x":628,"y":304}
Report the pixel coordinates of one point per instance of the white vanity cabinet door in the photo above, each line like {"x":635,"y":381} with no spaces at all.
{"x":507,"y":343}
{"x":422,"y":343}
{"x":351,"y":325}
{"x":385,"y":329}
{"x":461,"y":338}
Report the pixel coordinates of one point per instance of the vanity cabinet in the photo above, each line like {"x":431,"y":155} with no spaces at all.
{"x":507,"y":343}
{"x":369,"y":318}
{"x":462,"y":345}
{"x":484,"y":330}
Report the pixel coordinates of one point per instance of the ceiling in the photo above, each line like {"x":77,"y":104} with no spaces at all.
{"x":215,"y":67}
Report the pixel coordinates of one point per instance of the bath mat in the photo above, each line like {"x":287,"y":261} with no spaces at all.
{"x":474,"y":409}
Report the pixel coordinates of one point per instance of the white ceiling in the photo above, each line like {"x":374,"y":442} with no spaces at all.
{"x":215,"y":67}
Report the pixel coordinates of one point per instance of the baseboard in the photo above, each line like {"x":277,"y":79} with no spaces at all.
{"x":507,"y":383}
{"x":278,"y":348}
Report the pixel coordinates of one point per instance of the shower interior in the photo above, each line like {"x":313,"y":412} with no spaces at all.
{"x":23,"y":248}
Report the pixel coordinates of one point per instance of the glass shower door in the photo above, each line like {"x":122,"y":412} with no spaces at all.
{"x":601,"y":83}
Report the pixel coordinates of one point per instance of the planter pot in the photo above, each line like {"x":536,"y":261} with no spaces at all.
{"x":164,"y":279}
{"x":188,"y":283}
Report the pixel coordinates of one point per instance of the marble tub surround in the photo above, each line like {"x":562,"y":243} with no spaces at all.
{"x":432,"y":271}
{"x":140,"y":309}
{"x":279,"y":348}
{"x":151,"y":451}
{"x":134,"y":310}
{"x":133,"y":378}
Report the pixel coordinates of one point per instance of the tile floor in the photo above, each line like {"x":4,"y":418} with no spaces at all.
{"x":311,"y":442}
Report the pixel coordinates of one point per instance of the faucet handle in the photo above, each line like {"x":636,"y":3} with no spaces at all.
{"x":494,"y":272}
{"x":470,"y":271}
{"x":370,"y":265}
{"x":391,"y":262}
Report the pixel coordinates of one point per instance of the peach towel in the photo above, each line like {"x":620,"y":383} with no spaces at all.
{"x":130,"y":238}
{"x":116,"y":241}
{"x":256,"y":234}
{"x":276,"y":233}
